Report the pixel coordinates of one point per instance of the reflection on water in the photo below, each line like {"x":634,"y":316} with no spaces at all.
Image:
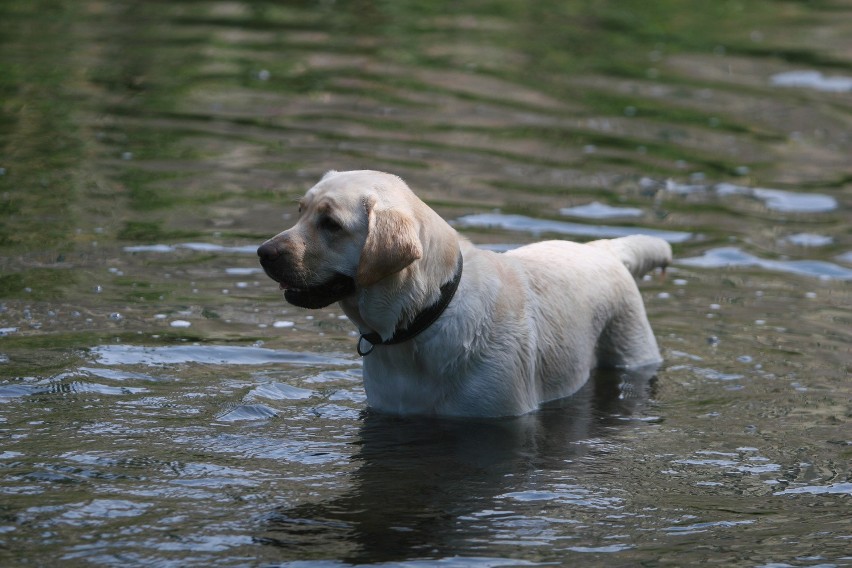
{"x":813,"y":80}
{"x":775,"y":199}
{"x":543,"y":226}
{"x":211,"y":354}
{"x":732,"y":256}
{"x":459,"y":487}
{"x":161,"y":405}
{"x":596,"y":210}
{"x":197,"y":247}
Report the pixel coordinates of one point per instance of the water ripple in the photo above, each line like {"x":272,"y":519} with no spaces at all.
{"x":704,"y":527}
{"x":196,"y":247}
{"x":248,"y":412}
{"x":735,"y":257}
{"x":279,"y":391}
{"x":597,"y":210}
{"x":97,"y":511}
{"x":834,"y":489}
{"x":601,"y":549}
{"x":573,"y":495}
{"x":535,"y":226}
{"x":208,"y":354}
{"x":813,"y":80}
{"x":775,"y":199}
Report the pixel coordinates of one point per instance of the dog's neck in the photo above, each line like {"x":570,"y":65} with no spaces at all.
{"x":421,"y":322}
{"x":394,"y":303}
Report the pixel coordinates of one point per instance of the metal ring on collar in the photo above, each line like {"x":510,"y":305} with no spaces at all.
{"x":363,"y":352}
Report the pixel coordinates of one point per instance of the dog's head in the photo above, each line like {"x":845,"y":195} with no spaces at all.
{"x":354,"y":230}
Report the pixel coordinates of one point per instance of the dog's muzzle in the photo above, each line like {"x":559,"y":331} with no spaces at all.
{"x":276,"y":264}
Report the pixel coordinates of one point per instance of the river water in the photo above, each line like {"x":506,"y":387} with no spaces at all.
{"x":160,"y":405}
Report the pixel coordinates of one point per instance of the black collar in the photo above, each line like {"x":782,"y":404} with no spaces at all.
{"x":421,"y":322}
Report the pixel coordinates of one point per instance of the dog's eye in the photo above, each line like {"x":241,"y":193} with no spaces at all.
{"x":330,"y":225}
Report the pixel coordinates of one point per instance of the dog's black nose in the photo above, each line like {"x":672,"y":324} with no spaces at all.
{"x":269,"y":251}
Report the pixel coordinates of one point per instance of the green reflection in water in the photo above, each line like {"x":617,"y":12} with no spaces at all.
{"x":40,"y":137}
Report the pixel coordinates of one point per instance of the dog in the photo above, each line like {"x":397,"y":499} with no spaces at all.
{"x":449,"y":329}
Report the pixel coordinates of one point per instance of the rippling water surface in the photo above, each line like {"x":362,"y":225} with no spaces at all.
{"x":160,"y":405}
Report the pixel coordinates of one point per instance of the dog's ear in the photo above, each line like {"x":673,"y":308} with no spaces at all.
{"x":392,"y":244}
{"x":328,"y":174}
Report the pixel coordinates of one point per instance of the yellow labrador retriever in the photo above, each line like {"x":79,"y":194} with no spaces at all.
{"x":450,"y":329}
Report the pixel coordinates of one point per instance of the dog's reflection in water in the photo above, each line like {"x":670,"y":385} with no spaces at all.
{"x":419,"y":475}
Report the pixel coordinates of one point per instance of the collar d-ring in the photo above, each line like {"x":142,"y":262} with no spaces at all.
{"x":365,"y":352}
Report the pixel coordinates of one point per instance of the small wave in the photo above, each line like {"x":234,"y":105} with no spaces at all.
{"x":710,"y":374}
{"x":730,"y":462}
{"x":197,"y":247}
{"x":569,"y":494}
{"x":728,"y":257}
{"x":208,"y":354}
{"x":80,"y":387}
{"x":812,"y":80}
{"x":118,"y":375}
{"x":597,"y":210}
{"x":845,"y":257}
{"x":248,"y":412}
{"x":776,"y":199}
{"x":538,"y":226}
{"x":279,"y":391}
{"x":8,"y":392}
{"x":835,"y":489}
{"x":601,"y":549}
{"x":808,"y":240}
{"x":99,"y":511}
{"x":703,"y":527}
{"x":242,"y":271}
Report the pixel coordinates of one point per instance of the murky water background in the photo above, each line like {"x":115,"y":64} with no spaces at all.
{"x":162,"y":406}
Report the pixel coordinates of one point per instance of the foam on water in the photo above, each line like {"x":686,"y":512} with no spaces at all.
{"x":733,"y":257}
{"x":538,"y":226}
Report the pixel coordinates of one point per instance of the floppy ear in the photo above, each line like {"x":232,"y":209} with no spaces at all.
{"x":392,"y":244}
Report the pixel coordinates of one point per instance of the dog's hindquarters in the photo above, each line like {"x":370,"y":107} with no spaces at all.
{"x":628,"y":340}
{"x":639,"y":253}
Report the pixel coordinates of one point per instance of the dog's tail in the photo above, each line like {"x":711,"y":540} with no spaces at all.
{"x":639,"y":253}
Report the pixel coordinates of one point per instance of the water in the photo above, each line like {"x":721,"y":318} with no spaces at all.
{"x":161,"y":405}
